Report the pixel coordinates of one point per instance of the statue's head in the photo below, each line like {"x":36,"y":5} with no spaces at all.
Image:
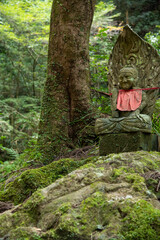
{"x":128,"y":77}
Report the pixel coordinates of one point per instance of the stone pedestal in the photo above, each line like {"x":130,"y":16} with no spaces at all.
{"x":127,"y":142}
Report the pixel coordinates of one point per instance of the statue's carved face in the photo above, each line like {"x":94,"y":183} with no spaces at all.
{"x":127,"y":78}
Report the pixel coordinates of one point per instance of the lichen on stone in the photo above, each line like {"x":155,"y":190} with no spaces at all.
{"x":107,"y":199}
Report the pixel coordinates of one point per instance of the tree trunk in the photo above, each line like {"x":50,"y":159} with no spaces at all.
{"x":66,"y":101}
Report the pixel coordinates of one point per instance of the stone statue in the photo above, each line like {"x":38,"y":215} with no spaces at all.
{"x":133,"y":66}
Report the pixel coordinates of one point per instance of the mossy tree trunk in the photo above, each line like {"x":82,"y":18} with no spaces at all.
{"x":66,"y":102}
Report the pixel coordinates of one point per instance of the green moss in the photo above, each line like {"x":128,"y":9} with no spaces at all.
{"x":152,"y":185}
{"x":150,"y":163}
{"x":4,"y":223}
{"x":95,"y":200}
{"x":64,"y":208}
{"x":105,"y":211}
{"x":31,"y":205}
{"x":68,"y":228}
{"x":156,"y":154}
{"x":24,"y":185}
{"x":138,"y":182}
{"x":31,"y":180}
{"x":78,"y":223}
{"x":21,"y":233}
{"x":9,"y":222}
{"x":120,"y":171}
{"x":25,"y":216}
{"x":129,"y":174}
{"x":62,"y":234}
{"x":142,"y":222}
{"x":49,"y":235}
{"x":88,"y":165}
{"x":95,"y":211}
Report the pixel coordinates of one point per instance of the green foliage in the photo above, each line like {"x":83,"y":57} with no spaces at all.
{"x":7,"y":167}
{"x":31,"y":154}
{"x":7,"y":154}
{"x":156,"y":119}
{"x":103,"y":14}
{"x":156,"y":123}
{"x":24,"y":30}
{"x":143,"y":15}
{"x":18,"y":122}
{"x":154,"y":38}
{"x":101,"y":42}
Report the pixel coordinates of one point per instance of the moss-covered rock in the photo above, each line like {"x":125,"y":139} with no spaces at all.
{"x":107,"y":198}
{"x":26,"y":233}
{"x":142,"y":221}
{"x":21,"y":187}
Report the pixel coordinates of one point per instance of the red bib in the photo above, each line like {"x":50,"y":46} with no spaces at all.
{"x":129,"y":100}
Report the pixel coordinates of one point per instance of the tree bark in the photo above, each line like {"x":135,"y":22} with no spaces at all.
{"x":66,"y":101}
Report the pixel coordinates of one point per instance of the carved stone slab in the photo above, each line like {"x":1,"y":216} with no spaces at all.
{"x":131,"y":49}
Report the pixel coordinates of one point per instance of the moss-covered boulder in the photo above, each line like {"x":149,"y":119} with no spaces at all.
{"x":18,"y":188}
{"x":108,"y":198}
